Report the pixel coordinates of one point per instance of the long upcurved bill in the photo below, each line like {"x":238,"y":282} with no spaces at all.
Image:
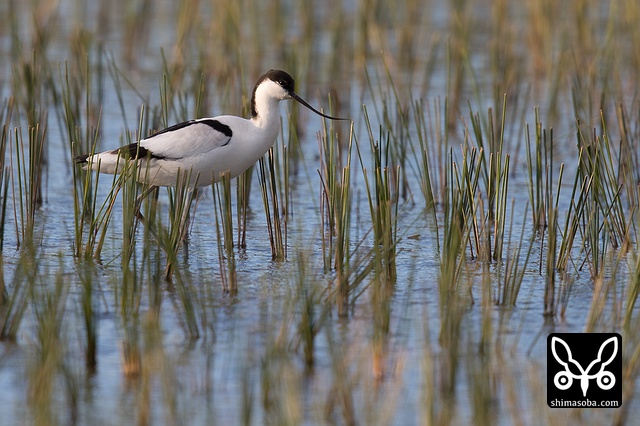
{"x":303,"y":102}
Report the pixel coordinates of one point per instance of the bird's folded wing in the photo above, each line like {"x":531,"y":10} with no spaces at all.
{"x":188,"y":139}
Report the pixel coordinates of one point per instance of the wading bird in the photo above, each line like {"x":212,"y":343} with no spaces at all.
{"x":207,"y":147}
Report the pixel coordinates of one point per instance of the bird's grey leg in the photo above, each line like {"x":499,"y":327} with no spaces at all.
{"x":138,"y":206}
{"x":194,"y":199}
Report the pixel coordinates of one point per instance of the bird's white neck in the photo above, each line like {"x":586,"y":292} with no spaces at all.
{"x":264,"y":109}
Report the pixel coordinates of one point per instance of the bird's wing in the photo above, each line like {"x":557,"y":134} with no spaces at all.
{"x":188,"y":139}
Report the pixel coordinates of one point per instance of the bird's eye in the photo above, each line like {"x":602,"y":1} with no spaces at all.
{"x":282,"y":83}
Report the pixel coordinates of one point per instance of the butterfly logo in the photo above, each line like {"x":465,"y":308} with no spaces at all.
{"x":564,"y":379}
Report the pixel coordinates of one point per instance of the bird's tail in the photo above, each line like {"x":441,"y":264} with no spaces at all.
{"x":81,"y":159}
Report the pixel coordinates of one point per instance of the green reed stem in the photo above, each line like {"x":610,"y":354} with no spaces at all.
{"x":223,"y":213}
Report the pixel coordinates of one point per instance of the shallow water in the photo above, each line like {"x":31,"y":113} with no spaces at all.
{"x":247,"y":351}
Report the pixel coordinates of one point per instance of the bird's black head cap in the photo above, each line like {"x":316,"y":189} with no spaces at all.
{"x":280,"y":77}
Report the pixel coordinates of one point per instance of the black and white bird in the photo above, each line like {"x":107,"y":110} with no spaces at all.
{"x":207,"y":147}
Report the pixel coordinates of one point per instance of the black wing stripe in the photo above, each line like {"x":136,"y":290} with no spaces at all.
{"x":218,"y":126}
{"x":135,"y":152}
{"x":214,"y":124}
{"x":174,"y":127}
